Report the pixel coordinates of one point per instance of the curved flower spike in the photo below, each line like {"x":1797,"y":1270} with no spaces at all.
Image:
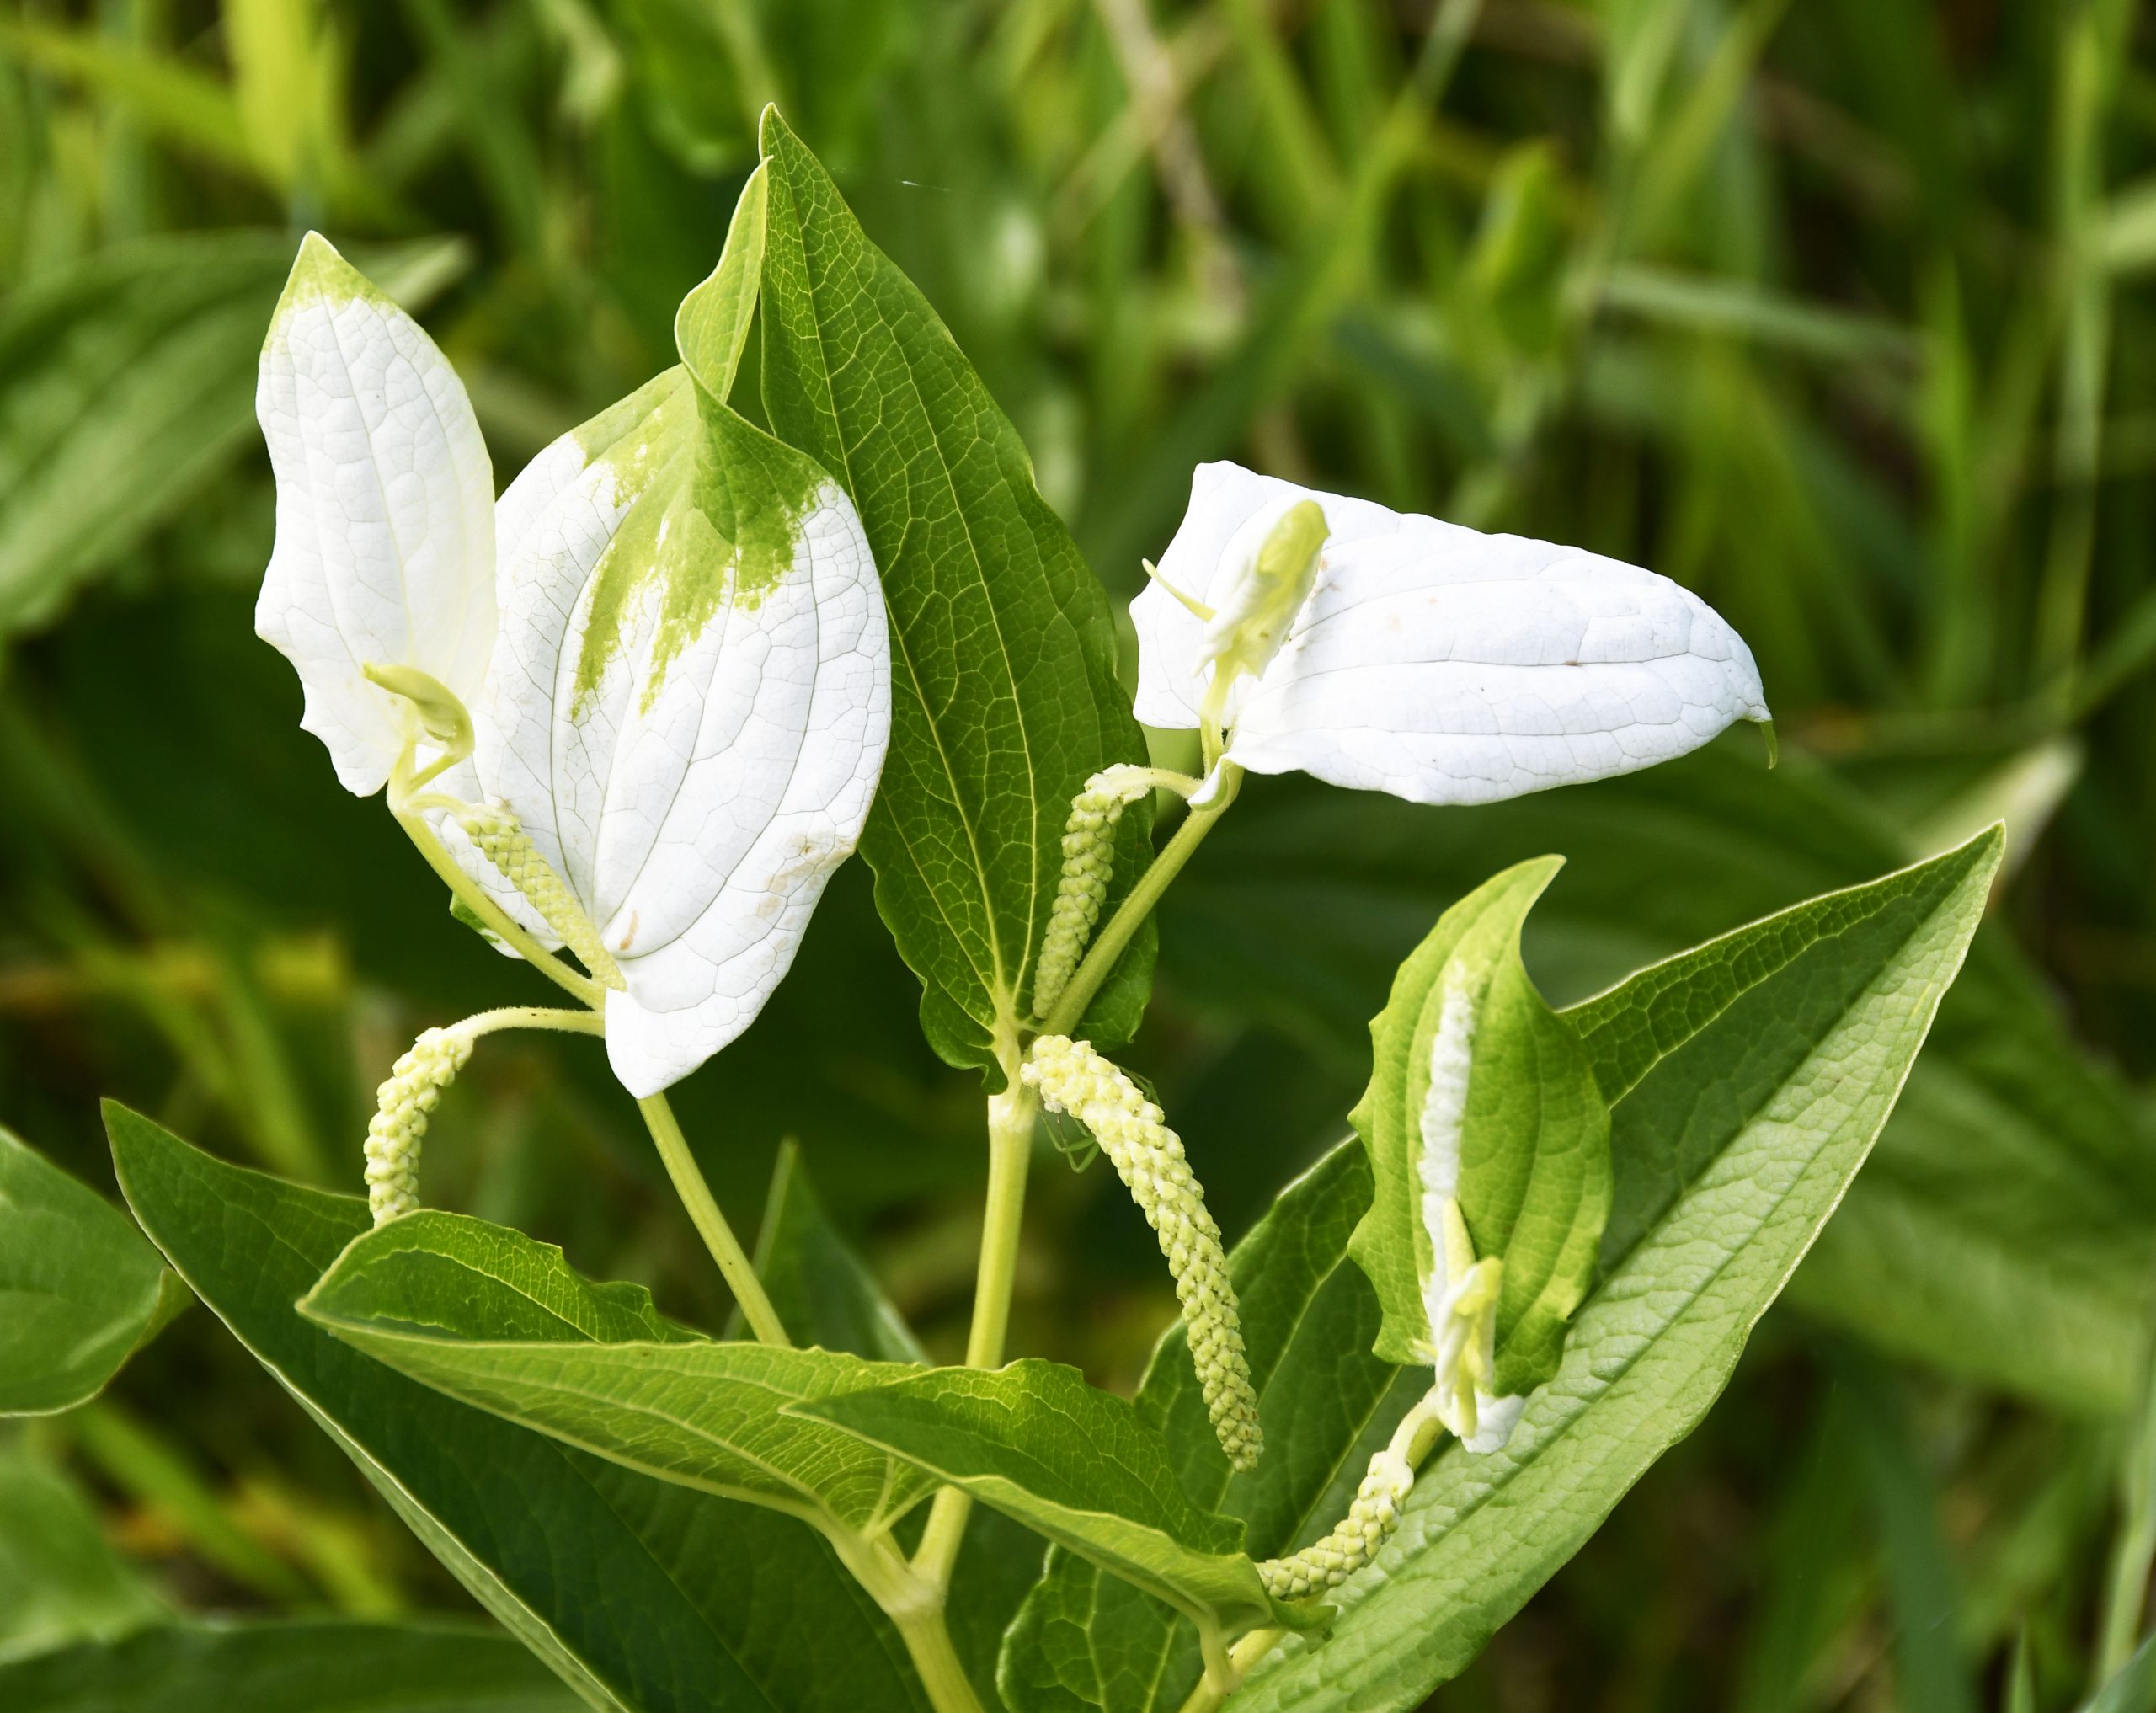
{"x":1428,"y":660}
{"x":385,"y":550}
{"x":1072,"y":1077}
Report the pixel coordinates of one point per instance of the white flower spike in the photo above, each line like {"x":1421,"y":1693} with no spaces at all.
{"x":385,"y":550}
{"x":1424,"y":659}
{"x":1459,"y":1293}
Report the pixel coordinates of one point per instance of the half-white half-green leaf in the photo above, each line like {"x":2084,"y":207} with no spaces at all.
{"x":1481,"y":1096}
{"x":691,"y":694}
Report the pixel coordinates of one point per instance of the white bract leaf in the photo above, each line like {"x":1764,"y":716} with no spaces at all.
{"x":669,"y":638}
{"x":1434,"y":662}
{"x":384,"y":548}
{"x":691,"y":704}
{"x":1459,"y":1293}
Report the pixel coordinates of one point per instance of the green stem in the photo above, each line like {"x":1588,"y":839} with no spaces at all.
{"x":710,"y":1223}
{"x":916,"y":1608}
{"x":568,"y":1021}
{"x":927,"y":1638}
{"x":1010,"y":1154}
{"x":1108,"y":945}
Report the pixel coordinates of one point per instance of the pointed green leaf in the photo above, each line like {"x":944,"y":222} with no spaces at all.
{"x":1075,"y":1463}
{"x":823,"y":1293}
{"x":1086,"y":1639}
{"x":322,"y":1667}
{"x":2005,"y":1229}
{"x":711,"y":326}
{"x":502,"y":1323}
{"x":1532,"y":1134}
{"x":80,"y":1291}
{"x":1005,"y":699}
{"x":1766,"y":1062}
{"x":432,"y":1273}
{"x":648,"y":1597}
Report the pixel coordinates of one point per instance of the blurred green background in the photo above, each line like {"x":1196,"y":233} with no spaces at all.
{"x":1836,"y":312}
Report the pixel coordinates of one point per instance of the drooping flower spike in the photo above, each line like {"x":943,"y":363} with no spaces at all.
{"x":681,"y":695}
{"x":1420,"y":658}
{"x":1072,"y":1077}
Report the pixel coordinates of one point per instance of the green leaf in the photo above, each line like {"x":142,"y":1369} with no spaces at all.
{"x":1533,"y":1135}
{"x":823,"y":1293}
{"x":648,"y":1597}
{"x":1004,"y":689}
{"x":1077,"y":1464}
{"x":1769,"y":1059}
{"x":1084,"y":1639}
{"x":500,"y":1322}
{"x":322,"y":1667}
{"x":2005,"y":1229}
{"x":80,"y":1291}
{"x":60,"y":1582}
{"x":711,"y":326}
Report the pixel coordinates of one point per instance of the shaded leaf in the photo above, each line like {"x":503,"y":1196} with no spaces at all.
{"x":79,"y":1289}
{"x":1077,"y":1464}
{"x":60,"y":1582}
{"x":823,"y":1293}
{"x":1775,"y":1055}
{"x":647,"y":1597}
{"x":323,"y":1667}
{"x":502,"y":1323}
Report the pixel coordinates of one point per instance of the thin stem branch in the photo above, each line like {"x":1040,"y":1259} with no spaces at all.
{"x":1010,"y":1155}
{"x":710,"y":1222}
{"x":1108,"y":945}
{"x":557,"y":1017}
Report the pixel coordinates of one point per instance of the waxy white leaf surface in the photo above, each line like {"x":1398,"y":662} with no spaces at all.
{"x":1441,"y":664}
{"x":385,"y":548}
{"x":691,"y":705}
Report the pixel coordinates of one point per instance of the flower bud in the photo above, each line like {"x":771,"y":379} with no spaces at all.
{"x":442,"y":717}
{"x":1267,"y":570}
{"x":404,"y":1105}
{"x":1148,"y":1156}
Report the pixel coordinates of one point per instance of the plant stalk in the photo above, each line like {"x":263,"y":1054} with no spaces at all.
{"x":916,"y":1609}
{"x":1010,"y":1154}
{"x":710,"y":1222}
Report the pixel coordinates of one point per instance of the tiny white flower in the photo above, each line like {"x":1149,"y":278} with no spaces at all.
{"x":385,"y":549}
{"x":1424,"y":659}
{"x":659,"y":667}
